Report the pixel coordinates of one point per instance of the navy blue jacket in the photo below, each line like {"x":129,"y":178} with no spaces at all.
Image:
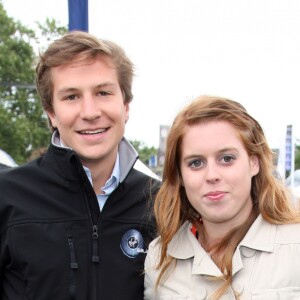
{"x":54,"y":241}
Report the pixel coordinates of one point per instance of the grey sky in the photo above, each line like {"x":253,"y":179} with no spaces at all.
{"x":245,"y":50}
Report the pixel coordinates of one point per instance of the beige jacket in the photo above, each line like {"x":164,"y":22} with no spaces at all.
{"x":266,"y":266}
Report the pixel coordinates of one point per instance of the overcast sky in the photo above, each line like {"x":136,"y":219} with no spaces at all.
{"x":246,"y":50}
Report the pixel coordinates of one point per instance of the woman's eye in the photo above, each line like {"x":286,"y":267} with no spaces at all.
{"x":227,"y":159}
{"x":197,"y":163}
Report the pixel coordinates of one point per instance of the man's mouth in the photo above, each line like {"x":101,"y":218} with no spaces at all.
{"x":91,"y":132}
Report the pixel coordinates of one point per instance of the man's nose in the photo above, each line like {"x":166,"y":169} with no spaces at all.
{"x":90,"y":110}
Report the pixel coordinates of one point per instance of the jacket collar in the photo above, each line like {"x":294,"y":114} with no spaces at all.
{"x":260,"y":237}
{"x":127,"y":155}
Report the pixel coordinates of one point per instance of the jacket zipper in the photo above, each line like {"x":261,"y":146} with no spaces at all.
{"x":95,"y":236}
{"x":95,"y":259}
{"x":91,"y":196}
{"x":95,"y":254}
{"x":73,"y":267}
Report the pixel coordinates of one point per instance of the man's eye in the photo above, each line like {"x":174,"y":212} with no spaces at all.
{"x":71,"y":97}
{"x":104,"y":93}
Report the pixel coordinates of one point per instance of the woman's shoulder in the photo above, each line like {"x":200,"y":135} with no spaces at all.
{"x":153,"y":255}
{"x":154,"y":245}
{"x":288,"y":233}
{"x":180,"y":235}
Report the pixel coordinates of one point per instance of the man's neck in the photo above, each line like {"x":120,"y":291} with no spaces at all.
{"x":100,"y":171}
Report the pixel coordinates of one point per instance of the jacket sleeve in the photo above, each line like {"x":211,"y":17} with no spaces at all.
{"x":151,"y":273}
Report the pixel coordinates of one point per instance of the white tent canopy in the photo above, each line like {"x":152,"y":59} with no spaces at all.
{"x":6,"y":159}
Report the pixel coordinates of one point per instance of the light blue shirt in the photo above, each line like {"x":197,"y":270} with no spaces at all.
{"x":110,"y":184}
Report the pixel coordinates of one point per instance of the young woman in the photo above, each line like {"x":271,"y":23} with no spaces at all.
{"x":228,"y":229}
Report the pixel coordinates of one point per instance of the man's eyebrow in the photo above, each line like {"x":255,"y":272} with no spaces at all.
{"x":106,"y":84}
{"x":67,"y":90}
{"x":73,"y":89}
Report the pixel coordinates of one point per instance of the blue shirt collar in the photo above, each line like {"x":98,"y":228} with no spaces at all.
{"x":112,"y":182}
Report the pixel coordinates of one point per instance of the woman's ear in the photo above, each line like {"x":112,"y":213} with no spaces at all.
{"x":254,"y":165}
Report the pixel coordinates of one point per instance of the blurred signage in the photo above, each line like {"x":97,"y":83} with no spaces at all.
{"x":153,"y":161}
{"x":163,"y":134}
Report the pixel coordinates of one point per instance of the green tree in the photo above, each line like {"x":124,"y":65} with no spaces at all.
{"x":144,"y":151}
{"x":49,"y":31}
{"x":23,"y":124}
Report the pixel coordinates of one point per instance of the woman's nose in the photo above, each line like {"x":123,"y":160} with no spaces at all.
{"x":213,"y":174}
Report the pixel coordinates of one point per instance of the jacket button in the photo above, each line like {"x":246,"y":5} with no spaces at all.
{"x":248,"y":252}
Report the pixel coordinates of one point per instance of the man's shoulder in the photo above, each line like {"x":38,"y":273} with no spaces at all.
{"x":17,"y":174}
{"x":143,"y":181}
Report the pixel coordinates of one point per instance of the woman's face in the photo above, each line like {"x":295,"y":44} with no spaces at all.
{"x":216,"y":173}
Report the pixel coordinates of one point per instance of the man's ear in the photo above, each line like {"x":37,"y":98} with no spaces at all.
{"x":126,"y":112}
{"x":52,"y":118}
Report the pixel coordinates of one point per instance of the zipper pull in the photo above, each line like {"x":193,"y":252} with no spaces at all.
{"x":74,"y":264}
{"x":95,"y":236}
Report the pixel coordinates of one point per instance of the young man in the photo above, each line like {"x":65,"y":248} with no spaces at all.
{"x":76,"y":222}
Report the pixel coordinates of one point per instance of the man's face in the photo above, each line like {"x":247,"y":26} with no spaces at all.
{"x":88,"y":109}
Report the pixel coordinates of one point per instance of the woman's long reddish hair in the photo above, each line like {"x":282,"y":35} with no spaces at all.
{"x":172,"y":208}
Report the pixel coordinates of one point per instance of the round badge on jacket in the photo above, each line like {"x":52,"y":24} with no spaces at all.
{"x":132,"y":243}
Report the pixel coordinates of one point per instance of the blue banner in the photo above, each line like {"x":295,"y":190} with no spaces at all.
{"x":289,"y":148}
{"x":78,"y":15}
